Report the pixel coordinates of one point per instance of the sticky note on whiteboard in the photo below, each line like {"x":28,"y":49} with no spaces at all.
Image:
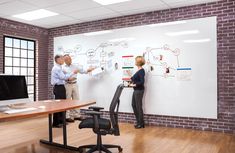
{"x":184,"y":74}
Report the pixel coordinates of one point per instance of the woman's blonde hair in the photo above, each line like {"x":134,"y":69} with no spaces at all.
{"x":140,"y":61}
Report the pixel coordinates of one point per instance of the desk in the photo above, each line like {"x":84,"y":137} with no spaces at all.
{"x":51,"y":106}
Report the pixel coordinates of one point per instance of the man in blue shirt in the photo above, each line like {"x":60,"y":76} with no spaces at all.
{"x":58,"y":78}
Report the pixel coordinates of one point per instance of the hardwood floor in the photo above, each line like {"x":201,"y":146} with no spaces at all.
{"x":23,"y":136}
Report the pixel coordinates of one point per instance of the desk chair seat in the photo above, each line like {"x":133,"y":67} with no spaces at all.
{"x":102,"y":126}
{"x":89,"y":123}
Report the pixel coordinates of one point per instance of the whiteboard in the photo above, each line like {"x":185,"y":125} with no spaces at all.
{"x":181,"y":69}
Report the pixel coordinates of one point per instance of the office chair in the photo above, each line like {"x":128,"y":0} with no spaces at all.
{"x":102,"y":126}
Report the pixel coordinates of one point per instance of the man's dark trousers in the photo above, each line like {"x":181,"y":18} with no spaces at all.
{"x":60,"y":93}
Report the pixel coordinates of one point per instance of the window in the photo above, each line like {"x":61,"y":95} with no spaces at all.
{"x":19,"y":59}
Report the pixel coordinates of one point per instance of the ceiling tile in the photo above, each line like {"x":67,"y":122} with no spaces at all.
{"x":175,"y":1}
{"x":92,"y":13}
{"x":146,"y":9}
{"x":181,"y":3}
{"x":2,"y":15}
{"x":77,"y":11}
{"x":100,"y":17}
{"x":45,"y":3}
{"x":15,"y":7}
{"x":185,"y":1}
{"x":53,"y":19}
{"x":135,"y":5}
{"x":5,"y":1}
{"x":53,"y":25}
{"x":74,"y":5}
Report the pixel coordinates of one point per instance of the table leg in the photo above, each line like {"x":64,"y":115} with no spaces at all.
{"x":64,"y":129}
{"x":50,"y":128}
{"x":51,"y":143}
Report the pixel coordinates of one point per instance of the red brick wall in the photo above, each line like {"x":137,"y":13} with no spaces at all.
{"x":225,"y":12}
{"x":16,"y":29}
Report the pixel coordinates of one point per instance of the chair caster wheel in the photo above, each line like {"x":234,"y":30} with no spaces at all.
{"x":80,"y":150}
{"x":120,"y":150}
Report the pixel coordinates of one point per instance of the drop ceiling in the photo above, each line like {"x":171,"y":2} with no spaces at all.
{"x":78,"y":11}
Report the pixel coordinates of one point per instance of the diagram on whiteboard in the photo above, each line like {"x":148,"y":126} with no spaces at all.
{"x":164,"y":62}
{"x":101,"y":57}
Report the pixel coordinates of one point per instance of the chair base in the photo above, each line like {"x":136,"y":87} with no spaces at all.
{"x":93,"y":148}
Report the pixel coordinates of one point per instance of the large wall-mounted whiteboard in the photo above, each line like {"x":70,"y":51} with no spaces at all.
{"x":181,"y":69}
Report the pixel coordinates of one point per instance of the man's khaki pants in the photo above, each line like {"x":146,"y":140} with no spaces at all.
{"x":72,"y":93}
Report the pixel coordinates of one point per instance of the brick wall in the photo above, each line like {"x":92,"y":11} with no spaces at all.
{"x":16,"y":29}
{"x":225,"y":12}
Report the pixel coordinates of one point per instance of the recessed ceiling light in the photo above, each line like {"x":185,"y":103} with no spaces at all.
{"x":108,"y":2}
{"x":166,"y":24}
{"x":34,"y":15}
{"x":182,"y":33}
{"x":197,"y":40}
{"x":121,"y":39}
{"x":97,"y":33}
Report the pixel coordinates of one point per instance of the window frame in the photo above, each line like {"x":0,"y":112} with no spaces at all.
{"x":27,"y":67}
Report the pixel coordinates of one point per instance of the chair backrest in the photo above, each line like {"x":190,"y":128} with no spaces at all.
{"x":113,"y":110}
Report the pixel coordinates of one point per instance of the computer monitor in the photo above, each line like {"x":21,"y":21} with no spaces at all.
{"x":13,"y":90}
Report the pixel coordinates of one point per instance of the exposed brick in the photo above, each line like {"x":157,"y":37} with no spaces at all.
{"x":225,"y":12}
{"x":16,"y":29}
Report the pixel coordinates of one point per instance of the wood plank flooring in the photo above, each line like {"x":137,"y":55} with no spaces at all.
{"x":23,"y":136}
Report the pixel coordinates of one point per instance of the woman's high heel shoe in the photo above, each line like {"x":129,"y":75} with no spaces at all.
{"x":139,"y":126}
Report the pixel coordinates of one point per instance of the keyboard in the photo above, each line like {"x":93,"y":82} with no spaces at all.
{"x":13,"y":111}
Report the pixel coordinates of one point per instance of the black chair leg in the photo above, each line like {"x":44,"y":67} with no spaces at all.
{"x":82,"y":149}
{"x":93,"y":148}
{"x":99,"y":147}
{"x":105,"y":149}
{"x":113,"y":146}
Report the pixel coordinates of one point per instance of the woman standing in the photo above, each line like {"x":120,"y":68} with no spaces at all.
{"x":137,"y":97}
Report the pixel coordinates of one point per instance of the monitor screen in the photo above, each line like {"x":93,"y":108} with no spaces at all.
{"x":12,"y":87}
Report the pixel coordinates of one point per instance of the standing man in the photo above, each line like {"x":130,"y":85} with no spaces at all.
{"x":72,"y":87}
{"x":58,"y":78}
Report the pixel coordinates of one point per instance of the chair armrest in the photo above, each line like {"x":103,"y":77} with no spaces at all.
{"x":96,"y":116}
{"x":93,"y":113}
{"x":95,"y":108}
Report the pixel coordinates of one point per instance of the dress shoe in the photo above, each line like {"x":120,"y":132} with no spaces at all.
{"x":69,"y":120}
{"x":139,"y":126}
{"x":80,"y":118}
{"x":57,"y":126}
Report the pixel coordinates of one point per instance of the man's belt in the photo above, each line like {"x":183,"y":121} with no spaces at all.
{"x":71,"y":82}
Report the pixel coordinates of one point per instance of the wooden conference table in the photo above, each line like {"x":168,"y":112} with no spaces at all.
{"x":48,"y":107}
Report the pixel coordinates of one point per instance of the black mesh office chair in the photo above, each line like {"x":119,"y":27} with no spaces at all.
{"x":102,"y":126}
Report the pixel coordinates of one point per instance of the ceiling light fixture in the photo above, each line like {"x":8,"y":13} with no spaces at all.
{"x":34,"y":15}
